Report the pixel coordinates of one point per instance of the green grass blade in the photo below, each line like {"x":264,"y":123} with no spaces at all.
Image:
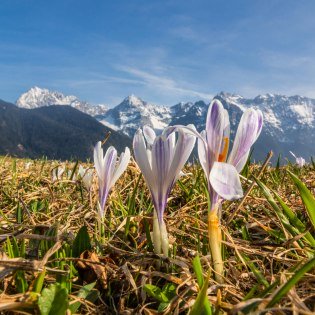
{"x":286,"y":287}
{"x":74,"y":170}
{"x":81,"y":243}
{"x":83,"y":294}
{"x":295,"y":221}
{"x":200,"y":305}
{"x":259,"y":276}
{"x":198,"y":270}
{"x":39,"y":281}
{"x":284,"y":220}
{"x":307,"y":197}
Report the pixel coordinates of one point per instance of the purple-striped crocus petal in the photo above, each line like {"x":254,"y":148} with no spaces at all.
{"x":225,"y":180}
{"x":121,"y":166}
{"x":109,"y":165}
{"x":215,"y":126}
{"x":224,"y":148}
{"x":142,"y":159}
{"x":203,"y":154}
{"x":247,"y":133}
{"x":160,"y":169}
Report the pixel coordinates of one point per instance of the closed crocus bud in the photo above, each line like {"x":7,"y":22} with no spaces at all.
{"x":57,"y":173}
{"x":108,"y":168}
{"x":161,"y":159}
{"x":86,"y":175}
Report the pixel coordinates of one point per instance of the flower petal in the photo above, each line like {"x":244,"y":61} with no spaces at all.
{"x":300,"y":161}
{"x":216,"y":125}
{"x":247,"y":133}
{"x":149,"y":135}
{"x":160,"y":172}
{"x":121,"y":166}
{"x":109,"y":164}
{"x":142,"y":159}
{"x":225,"y":180}
{"x":203,"y":154}
{"x":107,"y":174}
{"x":183,"y":148}
{"x":98,"y":158}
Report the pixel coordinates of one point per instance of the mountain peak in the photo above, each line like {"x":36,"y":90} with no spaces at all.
{"x":40,"y":97}
{"x":134,"y":100}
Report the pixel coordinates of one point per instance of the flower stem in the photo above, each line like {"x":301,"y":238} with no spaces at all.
{"x":215,"y":237}
{"x":160,"y":237}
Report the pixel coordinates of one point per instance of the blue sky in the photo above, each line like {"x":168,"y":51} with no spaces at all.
{"x":162,"y":51}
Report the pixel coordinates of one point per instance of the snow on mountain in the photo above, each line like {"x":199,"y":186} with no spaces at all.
{"x":133,"y":113}
{"x":38,"y":97}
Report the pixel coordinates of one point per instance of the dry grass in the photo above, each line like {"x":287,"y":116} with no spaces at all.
{"x":260,"y":254}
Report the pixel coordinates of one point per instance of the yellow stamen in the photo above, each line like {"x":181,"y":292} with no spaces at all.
{"x":223,"y":154}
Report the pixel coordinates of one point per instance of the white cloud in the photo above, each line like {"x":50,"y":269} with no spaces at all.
{"x":163,"y":83}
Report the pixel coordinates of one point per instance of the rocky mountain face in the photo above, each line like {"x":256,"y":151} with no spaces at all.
{"x":133,"y":112}
{"x":57,"y":132}
{"x":37,"y":97}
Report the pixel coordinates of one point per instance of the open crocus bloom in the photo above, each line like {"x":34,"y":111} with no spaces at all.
{"x":108,"y":170}
{"x":161,"y":159}
{"x":222,"y":172}
{"x":299,"y":160}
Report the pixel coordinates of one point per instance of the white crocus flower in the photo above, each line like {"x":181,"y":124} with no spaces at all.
{"x":298,"y":160}
{"x":160,"y":159}
{"x":57,"y":173}
{"x":108,"y":169}
{"x":28,"y":165}
{"x":86,"y":176}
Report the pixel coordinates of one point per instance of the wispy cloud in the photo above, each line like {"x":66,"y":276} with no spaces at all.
{"x":163,"y":83}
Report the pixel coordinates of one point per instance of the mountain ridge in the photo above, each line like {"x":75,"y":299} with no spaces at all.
{"x":289,"y":121}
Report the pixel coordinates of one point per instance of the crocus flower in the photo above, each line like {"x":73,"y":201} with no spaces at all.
{"x":86,"y":176}
{"x":28,"y":165}
{"x":57,"y":173}
{"x":298,"y":160}
{"x":108,"y":169}
{"x":161,"y":159}
{"x":222,"y":171}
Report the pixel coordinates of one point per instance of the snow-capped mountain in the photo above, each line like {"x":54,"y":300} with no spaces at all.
{"x":37,"y":97}
{"x":289,"y":121}
{"x":133,"y":113}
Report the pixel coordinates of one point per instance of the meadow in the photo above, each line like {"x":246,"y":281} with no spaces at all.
{"x":58,"y":258}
